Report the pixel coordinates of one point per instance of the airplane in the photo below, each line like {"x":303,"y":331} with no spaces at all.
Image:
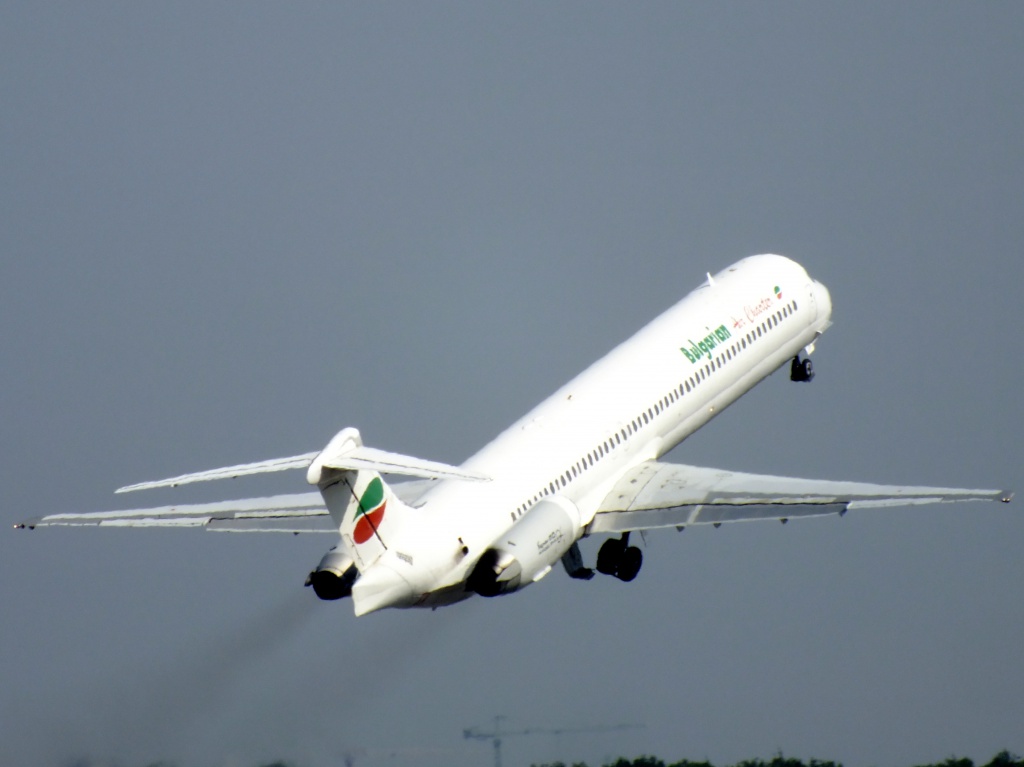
{"x":584,"y":462}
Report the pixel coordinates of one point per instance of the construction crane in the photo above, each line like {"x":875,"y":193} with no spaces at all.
{"x":496,"y":735}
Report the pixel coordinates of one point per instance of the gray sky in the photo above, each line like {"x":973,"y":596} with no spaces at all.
{"x":229,"y":231}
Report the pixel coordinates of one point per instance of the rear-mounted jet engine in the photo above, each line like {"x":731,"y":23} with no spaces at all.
{"x":334,"y":576}
{"x":526,"y":552}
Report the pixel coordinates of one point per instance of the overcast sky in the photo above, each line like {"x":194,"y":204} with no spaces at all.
{"x":227,"y":231}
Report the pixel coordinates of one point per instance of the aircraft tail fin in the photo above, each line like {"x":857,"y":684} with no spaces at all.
{"x":366,"y":512}
{"x":362,"y":506}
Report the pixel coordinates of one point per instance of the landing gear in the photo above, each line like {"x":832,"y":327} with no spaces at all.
{"x":632,"y":559}
{"x":572,"y":561}
{"x":616,"y":557}
{"x":801,"y":370}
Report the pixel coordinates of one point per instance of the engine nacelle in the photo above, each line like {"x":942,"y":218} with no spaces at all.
{"x":528,"y":549}
{"x":334,"y":576}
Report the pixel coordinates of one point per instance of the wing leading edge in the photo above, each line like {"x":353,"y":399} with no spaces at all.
{"x":655,"y":495}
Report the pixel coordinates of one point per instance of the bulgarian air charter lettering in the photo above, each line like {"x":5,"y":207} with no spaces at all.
{"x":699,"y":349}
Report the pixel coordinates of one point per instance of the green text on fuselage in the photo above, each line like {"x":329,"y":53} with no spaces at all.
{"x":698,"y":349}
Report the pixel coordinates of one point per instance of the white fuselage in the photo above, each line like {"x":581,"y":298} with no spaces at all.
{"x":633,"y":405}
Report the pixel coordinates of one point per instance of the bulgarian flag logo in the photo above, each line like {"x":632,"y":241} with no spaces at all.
{"x":371,"y":511}
{"x":778,"y":292}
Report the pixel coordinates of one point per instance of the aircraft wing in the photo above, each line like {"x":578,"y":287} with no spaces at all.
{"x":292,"y":513}
{"x":654,"y":495}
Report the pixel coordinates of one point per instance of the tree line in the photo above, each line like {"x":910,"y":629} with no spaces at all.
{"x":1002,"y":759}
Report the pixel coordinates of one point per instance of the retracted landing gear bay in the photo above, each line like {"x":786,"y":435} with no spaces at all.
{"x":616,"y":557}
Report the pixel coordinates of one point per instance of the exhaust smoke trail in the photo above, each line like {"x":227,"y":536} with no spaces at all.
{"x":151,"y":712}
{"x":243,"y":694}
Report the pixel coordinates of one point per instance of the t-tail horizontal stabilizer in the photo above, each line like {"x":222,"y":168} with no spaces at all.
{"x":346,"y":452}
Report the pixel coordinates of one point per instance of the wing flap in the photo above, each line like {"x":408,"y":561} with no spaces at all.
{"x":717,"y":514}
{"x":657,"y":495}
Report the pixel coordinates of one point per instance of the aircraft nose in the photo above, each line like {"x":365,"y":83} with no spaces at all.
{"x":822,"y":304}
{"x":379,"y":587}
